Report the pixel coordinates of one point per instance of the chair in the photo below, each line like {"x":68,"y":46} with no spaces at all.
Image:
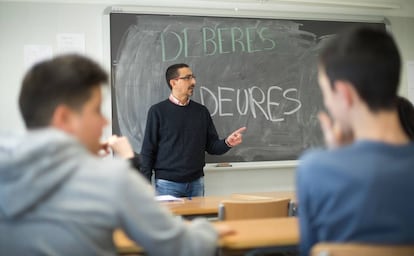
{"x":357,"y":249}
{"x":253,"y":209}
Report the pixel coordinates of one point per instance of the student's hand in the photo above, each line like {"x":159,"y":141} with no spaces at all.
{"x":223,"y":229}
{"x":236,"y":137}
{"x":334,"y":135}
{"x":119,"y":145}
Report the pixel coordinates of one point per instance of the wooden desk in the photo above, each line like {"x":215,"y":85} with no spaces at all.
{"x":197,"y":206}
{"x":271,"y":194}
{"x":249,"y":234}
{"x":257,"y":233}
{"x":208,"y":206}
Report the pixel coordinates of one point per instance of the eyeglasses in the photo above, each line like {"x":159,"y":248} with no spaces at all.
{"x":187,"y":78}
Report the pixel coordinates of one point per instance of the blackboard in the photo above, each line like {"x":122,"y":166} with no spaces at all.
{"x":258,"y":73}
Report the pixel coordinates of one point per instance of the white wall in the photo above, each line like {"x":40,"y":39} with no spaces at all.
{"x":403,"y":30}
{"x":35,"y":23}
{"x":23,"y":23}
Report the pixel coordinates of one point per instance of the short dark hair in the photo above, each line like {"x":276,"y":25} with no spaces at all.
{"x":172,"y":72}
{"x":406,"y":114}
{"x":368,"y":58}
{"x":66,"y":79}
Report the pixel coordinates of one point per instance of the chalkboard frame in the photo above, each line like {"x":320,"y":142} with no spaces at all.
{"x":208,"y":13}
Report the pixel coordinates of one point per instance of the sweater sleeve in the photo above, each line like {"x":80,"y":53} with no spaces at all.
{"x":136,"y":161}
{"x":149,"y":145}
{"x":215,"y":145}
{"x":155,"y":229}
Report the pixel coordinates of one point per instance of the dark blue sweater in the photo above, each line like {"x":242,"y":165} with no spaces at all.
{"x":175,"y":141}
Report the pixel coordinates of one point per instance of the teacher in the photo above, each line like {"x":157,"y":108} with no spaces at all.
{"x":177,"y":134}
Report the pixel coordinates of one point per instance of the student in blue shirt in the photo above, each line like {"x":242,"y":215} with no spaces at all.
{"x":356,"y":189}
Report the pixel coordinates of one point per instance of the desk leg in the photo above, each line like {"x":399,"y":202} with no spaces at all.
{"x":293,"y":209}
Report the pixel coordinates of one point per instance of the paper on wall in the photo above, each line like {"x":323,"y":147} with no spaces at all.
{"x":70,"y":43}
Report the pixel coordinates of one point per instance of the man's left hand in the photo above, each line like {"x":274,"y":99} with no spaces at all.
{"x":236,"y":137}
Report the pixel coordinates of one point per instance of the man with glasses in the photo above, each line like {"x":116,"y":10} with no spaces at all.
{"x":177,"y":134}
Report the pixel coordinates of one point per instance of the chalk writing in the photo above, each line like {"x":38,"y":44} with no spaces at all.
{"x":220,"y":40}
{"x":258,"y":73}
{"x":261,"y":102}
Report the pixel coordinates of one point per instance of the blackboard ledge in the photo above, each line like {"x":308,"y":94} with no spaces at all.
{"x":254,"y":165}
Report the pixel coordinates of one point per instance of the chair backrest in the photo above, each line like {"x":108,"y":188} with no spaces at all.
{"x":253,"y":209}
{"x":357,"y":249}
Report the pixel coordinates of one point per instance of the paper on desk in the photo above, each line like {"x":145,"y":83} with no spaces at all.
{"x":168,"y":198}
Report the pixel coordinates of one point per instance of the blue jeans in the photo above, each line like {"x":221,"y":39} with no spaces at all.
{"x":178,"y":189}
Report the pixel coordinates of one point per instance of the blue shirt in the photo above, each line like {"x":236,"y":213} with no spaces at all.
{"x":356,"y":193}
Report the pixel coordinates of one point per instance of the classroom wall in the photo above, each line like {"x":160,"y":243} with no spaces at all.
{"x":25,"y":23}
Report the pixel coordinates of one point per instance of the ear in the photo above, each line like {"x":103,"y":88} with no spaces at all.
{"x":346,"y":91}
{"x":64,"y":118}
{"x":173,"y":82}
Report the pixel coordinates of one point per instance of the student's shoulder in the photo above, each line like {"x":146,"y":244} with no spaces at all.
{"x":313,"y":155}
{"x":322,"y":155}
{"x":120,"y":173}
{"x":108,"y":178}
{"x":315,"y":162}
{"x":107,"y":171}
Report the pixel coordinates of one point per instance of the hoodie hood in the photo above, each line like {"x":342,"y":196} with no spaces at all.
{"x":33,"y":166}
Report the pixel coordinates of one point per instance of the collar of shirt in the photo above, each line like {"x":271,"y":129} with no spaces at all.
{"x":177,"y":102}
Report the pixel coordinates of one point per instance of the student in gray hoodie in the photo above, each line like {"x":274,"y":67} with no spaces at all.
{"x":57,"y":197}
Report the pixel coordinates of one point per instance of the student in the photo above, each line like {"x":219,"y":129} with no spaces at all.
{"x":178,"y":133}
{"x":356,"y":190}
{"x":57,"y":197}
